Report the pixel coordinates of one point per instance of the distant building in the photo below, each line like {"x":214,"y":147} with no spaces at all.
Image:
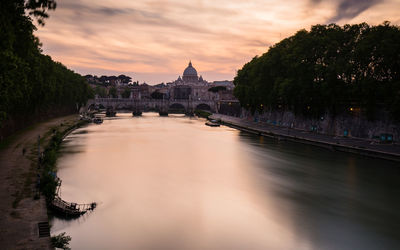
{"x":144,"y":90}
{"x":181,"y":92}
{"x":190,"y":85}
{"x":227,"y":84}
{"x":190,"y":77}
{"x":190,"y":74}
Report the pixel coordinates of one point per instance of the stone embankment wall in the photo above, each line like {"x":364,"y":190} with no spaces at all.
{"x":355,"y":125}
{"x":18,"y":122}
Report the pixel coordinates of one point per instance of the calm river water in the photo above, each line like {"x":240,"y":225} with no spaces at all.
{"x":174,"y":183}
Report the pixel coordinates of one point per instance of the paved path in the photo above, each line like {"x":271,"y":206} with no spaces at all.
{"x":19,"y":212}
{"x":348,"y":144}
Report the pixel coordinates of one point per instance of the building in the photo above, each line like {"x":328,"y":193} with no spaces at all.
{"x":190,"y":85}
{"x":227,"y":84}
{"x":181,"y":92}
{"x":190,"y":77}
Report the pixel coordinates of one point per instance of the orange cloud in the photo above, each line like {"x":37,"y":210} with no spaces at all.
{"x":154,"y":40}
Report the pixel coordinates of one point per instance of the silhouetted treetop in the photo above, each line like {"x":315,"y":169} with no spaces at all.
{"x":327,"y":69}
{"x":32,"y":84}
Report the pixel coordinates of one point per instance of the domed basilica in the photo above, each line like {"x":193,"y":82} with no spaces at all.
{"x":190,"y":76}
{"x":191,"y":86}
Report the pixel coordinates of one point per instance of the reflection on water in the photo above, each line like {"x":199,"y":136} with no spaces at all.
{"x":173,"y":183}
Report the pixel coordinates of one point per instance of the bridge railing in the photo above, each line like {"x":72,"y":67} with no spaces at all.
{"x":157,"y":103}
{"x":226,"y":101}
{"x":107,"y":100}
{"x":115,"y":100}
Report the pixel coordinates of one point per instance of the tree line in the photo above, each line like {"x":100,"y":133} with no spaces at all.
{"x":109,"y":80}
{"x":31,"y":83}
{"x":330,"y":68}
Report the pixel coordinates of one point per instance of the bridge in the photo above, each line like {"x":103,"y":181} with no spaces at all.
{"x":170,"y":106}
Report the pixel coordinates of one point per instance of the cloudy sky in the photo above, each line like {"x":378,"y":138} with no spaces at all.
{"x":153,"y":40}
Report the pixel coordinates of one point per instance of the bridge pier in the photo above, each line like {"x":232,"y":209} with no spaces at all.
{"x":137,"y":110}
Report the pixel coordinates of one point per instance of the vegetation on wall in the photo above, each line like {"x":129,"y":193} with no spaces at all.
{"x":100,"y":91}
{"x":112,"y":92}
{"x":327,"y":69}
{"x":30,"y":82}
{"x":48,"y":183}
{"x":202,"y":113}
{"x":126,"y":93}
{"x":157,"y":95}
{"x":61,"y":241}
{"x":215,"y":89}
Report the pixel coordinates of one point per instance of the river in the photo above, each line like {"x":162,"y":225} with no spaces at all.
{"x":174,"y":183}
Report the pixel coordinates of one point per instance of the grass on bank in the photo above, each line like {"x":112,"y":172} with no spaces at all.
{"x":48,"y":180}
{"x":202,"y":113}
{"x":61,"y":241}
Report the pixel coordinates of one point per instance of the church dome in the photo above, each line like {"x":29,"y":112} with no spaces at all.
{"x":190,"y":71}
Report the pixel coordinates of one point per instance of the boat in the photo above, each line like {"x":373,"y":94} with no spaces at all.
{"x":68,"y":209}
{"x":97,"y":120}
{"x":212,"y":124}
{"x":163,"y":113}
{"x":137,"y":113}
{"x":110,"y":113}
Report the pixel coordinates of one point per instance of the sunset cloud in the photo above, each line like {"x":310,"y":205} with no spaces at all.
{"x":153,"y":40}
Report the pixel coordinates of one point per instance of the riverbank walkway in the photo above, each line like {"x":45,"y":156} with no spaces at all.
{"x":339,"y":143}
{"x":24,"y":220}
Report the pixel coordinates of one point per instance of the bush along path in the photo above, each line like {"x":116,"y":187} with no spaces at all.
{"x":50,"y":184}
{"x":47,"y":178}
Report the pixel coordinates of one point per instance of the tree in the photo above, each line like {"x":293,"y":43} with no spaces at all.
{"x":113,"y":92}
{"x":327,"y":69}
{"x":32,"y":84}
{"x":100,"y":91}
{"x":217,"y":89}
{"x":39,"y":8}
{"x":126,"y":93}
{"x":157,"y":95}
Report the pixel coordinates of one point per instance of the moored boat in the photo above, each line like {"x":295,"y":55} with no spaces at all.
{"x":212,"y":124}
{"x":110,"y":113}
{"x":97,"y":120}
{"x":70,"y":209}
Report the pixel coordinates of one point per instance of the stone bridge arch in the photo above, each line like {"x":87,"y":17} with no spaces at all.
{"x":203,"y":106}
{"x":177,"y":108}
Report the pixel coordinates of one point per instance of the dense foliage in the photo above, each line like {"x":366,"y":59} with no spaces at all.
{"x":48,"y":181}
{"x":126,"y":93}
{"x":327,"y":69}
{"x":100,"y":91}
{"x":157,"y":95}
{"x":202,"y":113}
{"x":215,"y":89}
{"x":61,"y":241}
{"x":32,"y":83}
